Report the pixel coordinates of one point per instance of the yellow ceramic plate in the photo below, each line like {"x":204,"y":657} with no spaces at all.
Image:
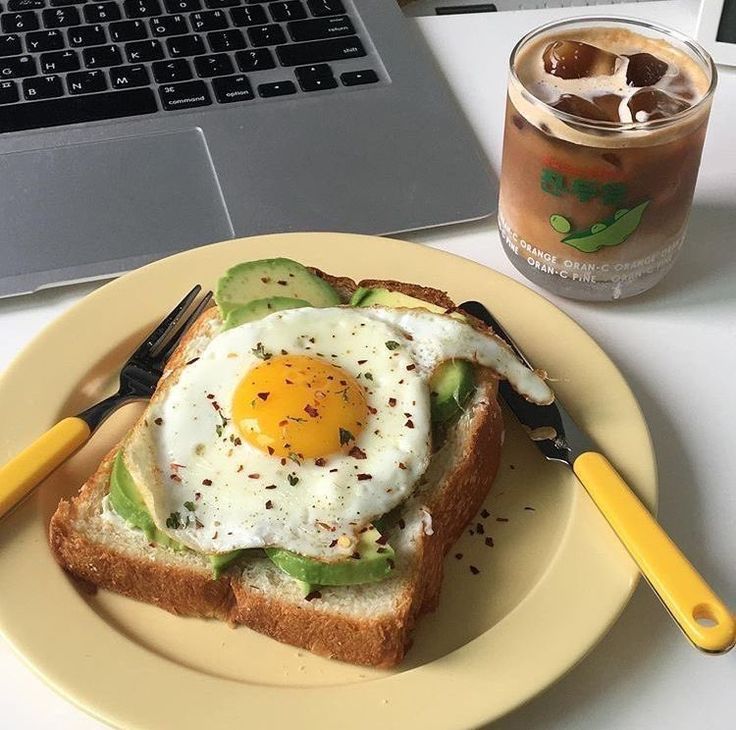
{"x":552,"y":577}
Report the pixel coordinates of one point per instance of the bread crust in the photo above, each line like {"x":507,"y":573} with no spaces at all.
{"x":190,"y":590}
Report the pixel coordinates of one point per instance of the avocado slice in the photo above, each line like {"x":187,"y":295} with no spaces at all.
{"x":374,"y":563}
{"x":388,"y":298}
{"x":271,"y":278}
{"x":260,"y":308}
{"x":450,"y":388}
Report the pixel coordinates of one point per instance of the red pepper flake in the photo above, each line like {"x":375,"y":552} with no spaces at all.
{"x":401,"y":523}
{"x":355,"y":556}
{"x":210,"y":396}
{"x":333,"y":543}
{"x":269,"y":504}
{"x":281,"y":282}
{"x":485,"y":514}
{"x":343,"y":382}
{"x":199,"y":525}
{"x":207,"y":482}
{"x":265,"y":279}
{"x":174,"y":477}
{"x":489,"y":541}
{"x":502,"y":519}
{"x":270,"y":450}
{"x":320,"y":461}
{"x":411,"y":367}
{"x":382,"y":540}
{"x":471,"y":532}
{"x":324,"y":525}
{"x":283,"y":462}
{"x":409,"y":423}
{"x":271,"y":486}
{"x":158,"y":421}
{"x":362,"y":362}
{"x":311,"y":411}
{"x":512,"y":467}
{"x":402,"y":465}
{"x":215,"y":405}
{"x":392,"y":402}
{"x":458,"y":556}
{"x":311,"y":339}
{"x":197,"y":496}
{"x":263,"y":396}
{"x":357,"y":453}
{"x":480,"y":529}
{"x":332,"y":471}
{"x":192,"y":361}
{"x":364,"y":477}
{"x":237,"y":441}
{"x":288,"y":382}
{"x":474,"y":570}
{"x":312,"y":595}
{"x":240,"y":468}
{"x":530,"y":509}
{"x":283,"y":423}
{"x":372,"y":410}
{"x":254,"y":476}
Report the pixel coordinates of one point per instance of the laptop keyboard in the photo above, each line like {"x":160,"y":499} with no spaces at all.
{"x":71,"y":61}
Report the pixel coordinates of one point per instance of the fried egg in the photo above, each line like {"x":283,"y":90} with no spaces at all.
{"x":297,"y":430}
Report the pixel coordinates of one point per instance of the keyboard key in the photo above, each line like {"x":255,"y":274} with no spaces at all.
{"x":86,"y":82}
{"x":289,"y":10}
{"x":357,"y":78}
{"x":232,"y":88}
{"x":101,"y":12}
{"x":59,"y":3}
{"x":42,"y":87}
{"x":19,"y":22}
{"x":128,"y":30}
{"x":86,"y":35}
{"x":185,"y":45}
{"x":315,"y":78}
{"x":15,"y":5}
{"x":101,"y":56}
{"x":60,"y":17}
{"x":141,"y":8}
{"x":10,"y":45}
{"x":208,"y":20}
{"x":14,"y":68}
{"x":184,"y":96}
{"x":167,"y":71}
{"x":73,"y":110}
{"x":59,"y":62}
{"x":45,"y":40}
{"x":266,"y":35}
{"x":279,"y":88}
{"x":169,"y":25}
{"x":312,"y":30}
{"x":182,"y":6}
{"x":218,"y":64}
{"x":219,"y":4}
{"x":252,"y":15}
{"x":8,"y":92}
{"x":258,"y":59}
{"x":226,"y":40}
{"x":128,"y":77}
{"x":334,"y":49}
{"x":320,"y":8}
{"x":142,"y":51}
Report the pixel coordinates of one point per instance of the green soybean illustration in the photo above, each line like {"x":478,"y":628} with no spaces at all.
{"x":560,"y":223}
{"x":611,"y":232}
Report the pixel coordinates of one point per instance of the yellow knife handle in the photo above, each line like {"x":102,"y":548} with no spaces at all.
{"x":24,"y":471}
{"x":702,"y":616}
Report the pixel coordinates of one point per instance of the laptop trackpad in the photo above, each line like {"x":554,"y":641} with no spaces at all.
{"x":101,"y":208}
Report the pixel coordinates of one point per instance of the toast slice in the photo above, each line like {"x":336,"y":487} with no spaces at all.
{"x":366,"y":624}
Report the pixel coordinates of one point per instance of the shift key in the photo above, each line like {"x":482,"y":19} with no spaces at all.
{"x":334,"y":49}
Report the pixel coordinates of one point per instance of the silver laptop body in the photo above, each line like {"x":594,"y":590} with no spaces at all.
{"x":95,"y":198}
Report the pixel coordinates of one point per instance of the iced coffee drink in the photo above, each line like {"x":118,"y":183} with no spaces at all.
{"x":605,"y":123}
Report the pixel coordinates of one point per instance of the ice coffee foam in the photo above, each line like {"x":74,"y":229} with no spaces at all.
{"x":685,"y":81}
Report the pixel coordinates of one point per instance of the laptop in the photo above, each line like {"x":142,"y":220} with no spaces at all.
{"x":132,"y":129}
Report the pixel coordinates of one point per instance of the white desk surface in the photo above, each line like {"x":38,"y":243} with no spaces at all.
{"x":669,"y":343}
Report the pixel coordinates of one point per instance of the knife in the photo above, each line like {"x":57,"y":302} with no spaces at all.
{"x":704,"y":619}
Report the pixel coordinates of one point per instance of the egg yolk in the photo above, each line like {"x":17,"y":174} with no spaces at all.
{"x":299,"y":405}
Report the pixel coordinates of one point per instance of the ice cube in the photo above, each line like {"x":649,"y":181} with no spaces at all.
{"x":577,"y":60}
{"x":646,"y":105}
{"x":644,"y":69}
{"x":602,"y":108}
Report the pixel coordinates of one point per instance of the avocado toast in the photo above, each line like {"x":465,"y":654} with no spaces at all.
{"x":359,"y":610}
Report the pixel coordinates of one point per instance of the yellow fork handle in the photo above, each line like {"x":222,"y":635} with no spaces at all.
{"x":24,"y":471}
{"x":683,"y":591}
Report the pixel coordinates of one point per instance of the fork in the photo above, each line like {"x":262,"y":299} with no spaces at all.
{"x":138,"y":379}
